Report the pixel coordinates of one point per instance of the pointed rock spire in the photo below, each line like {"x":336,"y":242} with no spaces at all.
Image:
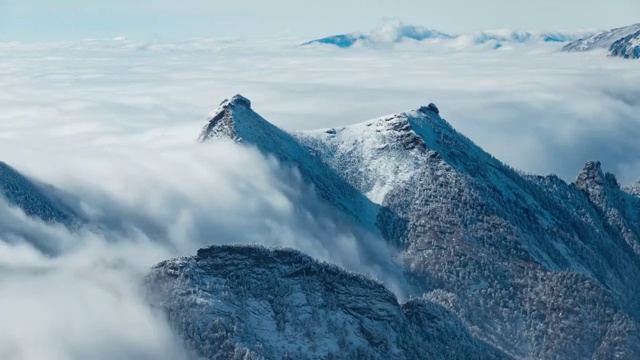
{"x":591,"y":176}
{"x":596,"y":184}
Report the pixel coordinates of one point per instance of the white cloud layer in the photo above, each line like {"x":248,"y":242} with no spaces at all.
{"x":113,"y":123}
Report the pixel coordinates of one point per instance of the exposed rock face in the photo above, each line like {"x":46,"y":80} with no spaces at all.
{"x":628,"y":47}
{"x":523,"y":260}
{"x":232,"y":302}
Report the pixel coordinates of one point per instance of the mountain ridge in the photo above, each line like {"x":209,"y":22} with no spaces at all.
{"x":37,"y":201}
{"x":622,"y":42}
{"x":479,"y":237}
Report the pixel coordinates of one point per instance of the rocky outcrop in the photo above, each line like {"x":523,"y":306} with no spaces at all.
{"x":232,"y":302}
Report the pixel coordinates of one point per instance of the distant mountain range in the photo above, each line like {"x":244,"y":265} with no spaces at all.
{"x":398,"y":33}
{"x":623,"y":42}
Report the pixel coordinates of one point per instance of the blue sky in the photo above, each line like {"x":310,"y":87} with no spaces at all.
{"x":30,"y":20}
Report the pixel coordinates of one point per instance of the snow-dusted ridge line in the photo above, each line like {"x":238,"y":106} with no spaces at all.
{"x":36,"y":200}
{"x":476,"y":235}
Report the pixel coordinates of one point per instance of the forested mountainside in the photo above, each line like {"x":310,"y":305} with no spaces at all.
{"x":244,"y":302}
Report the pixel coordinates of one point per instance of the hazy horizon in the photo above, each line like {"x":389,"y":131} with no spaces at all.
{"x":146,"y":19}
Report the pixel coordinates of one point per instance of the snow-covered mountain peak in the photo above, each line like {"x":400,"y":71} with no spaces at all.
{"x":602,"y":40}
{"x":227,"y":120}
{"x":381,"y":154}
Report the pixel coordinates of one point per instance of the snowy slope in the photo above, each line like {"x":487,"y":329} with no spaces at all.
{"x":486,"y":241}
{"x":252,"y":303}
{"x":628,"y":47}
{"x":35,"y":200}
{"x":602,"y":40}
{"x":235,"y":120}
{"x":475,"y":228}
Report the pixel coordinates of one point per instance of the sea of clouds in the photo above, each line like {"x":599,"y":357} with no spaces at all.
{"x":112,"y":124}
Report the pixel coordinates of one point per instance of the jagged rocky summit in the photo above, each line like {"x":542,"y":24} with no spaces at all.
{"x":524,"y":261}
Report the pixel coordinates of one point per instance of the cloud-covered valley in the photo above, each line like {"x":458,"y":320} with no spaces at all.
{"x":112,"y":125}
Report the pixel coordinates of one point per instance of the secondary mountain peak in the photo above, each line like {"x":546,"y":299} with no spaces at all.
{"x":591,"y":174}
{"x":624,"y":42}
{"x":593,"y":180}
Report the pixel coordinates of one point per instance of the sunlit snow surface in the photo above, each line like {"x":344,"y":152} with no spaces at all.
{"x":115,"y":122}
